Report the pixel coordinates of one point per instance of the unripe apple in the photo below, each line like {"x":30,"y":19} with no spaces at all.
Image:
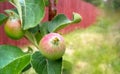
{"x":52,"y":46}
{"x":13,"y":28}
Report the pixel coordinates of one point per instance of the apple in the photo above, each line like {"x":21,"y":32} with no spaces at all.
{"x":13,"y":28}
{"x":52,"y":46}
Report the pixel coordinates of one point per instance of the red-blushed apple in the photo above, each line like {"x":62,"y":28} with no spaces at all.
{"x":52,"y":46}
{"x":13,"y":28}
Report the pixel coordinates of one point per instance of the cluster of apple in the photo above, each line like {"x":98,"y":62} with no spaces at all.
{"x":52,"y":45}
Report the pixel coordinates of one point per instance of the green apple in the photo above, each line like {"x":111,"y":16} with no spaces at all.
{"x":13,"y":28}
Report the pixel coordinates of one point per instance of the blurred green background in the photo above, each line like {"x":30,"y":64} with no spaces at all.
{"x":96,"y":49}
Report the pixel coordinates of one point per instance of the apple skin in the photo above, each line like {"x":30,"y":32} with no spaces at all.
{"x":52,"y":46}
{"x":13,"y":29}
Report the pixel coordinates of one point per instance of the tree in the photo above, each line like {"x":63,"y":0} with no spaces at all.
{"x":30,"y":13}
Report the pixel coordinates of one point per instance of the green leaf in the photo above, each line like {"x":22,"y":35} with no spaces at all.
{"x":16,"y":3}
{"x":43,"y":30}
{"x":31,"y":11}
{"x":36,"y":33}
{"x":46,"y":2}
{"x":15,"y":10}
{"x":3,"y":18}
{"x":45,"y":66}
{"x":3,"y":0}
{"x":26,"y":68}
{"x":34,"y":30}
{"x":38,"y":37}
{"x":67,"y":67}
{"x":12,"y":13}
{"x":12,"y":60}
{"x":31,"y":37}
{"x":76,"y":18}
{"x":61,"y":21}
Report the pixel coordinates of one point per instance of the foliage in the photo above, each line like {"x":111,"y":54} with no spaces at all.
{"x":116,"y":4}
{"x":13,"y":60}
{"x":110,"y":4}
{"x":31,"y":12}
{"x":2,"y":18}
{"x":95,"y":2}
{"x":45,"y":66}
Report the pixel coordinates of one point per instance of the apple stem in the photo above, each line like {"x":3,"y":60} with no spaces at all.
{"x":55,"y":41}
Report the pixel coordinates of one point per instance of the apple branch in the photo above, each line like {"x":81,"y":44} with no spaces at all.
{"x":52,"y":9}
